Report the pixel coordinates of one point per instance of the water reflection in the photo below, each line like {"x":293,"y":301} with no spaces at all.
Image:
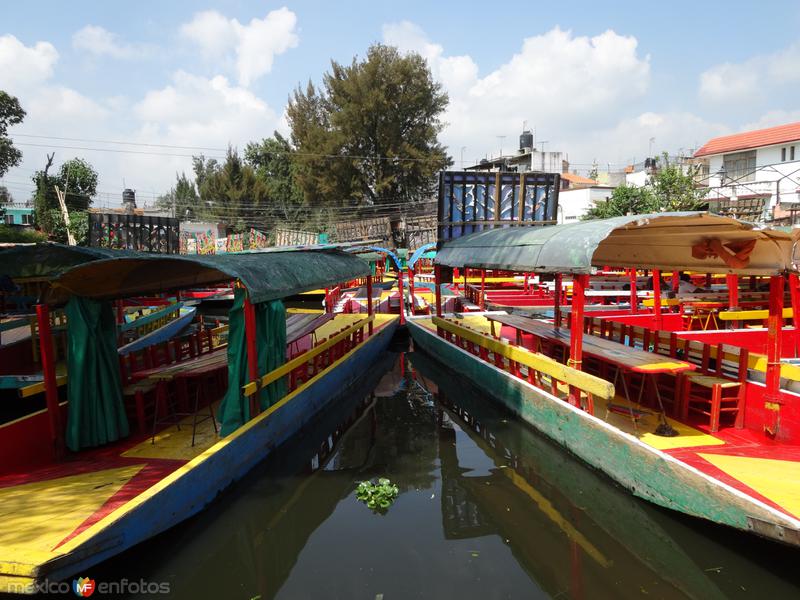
{"x":487,"y":509}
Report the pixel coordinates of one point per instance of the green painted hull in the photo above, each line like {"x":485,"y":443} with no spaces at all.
{"x":646,"y":472}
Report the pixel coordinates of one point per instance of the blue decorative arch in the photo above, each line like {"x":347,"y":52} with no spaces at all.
{"x":419,"y":252}
{"x":386,"y":251}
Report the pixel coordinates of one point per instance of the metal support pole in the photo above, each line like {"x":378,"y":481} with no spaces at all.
{"x":402,"y":296}
{"x":252,"y":351}
{"x":370,"y":309}
{"x":437,"y":282}
{"x":772,"y":403}
{"x":47,"y":353}
{"x":557,"y":301}
{"x":634,"y":295}
{"x":579,"y":285}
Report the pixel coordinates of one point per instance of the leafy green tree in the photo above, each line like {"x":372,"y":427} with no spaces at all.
{"x":182,"y":200}
{"x":369,"y":136}
{"x":624,"y":200}
{"x":233,"y":194}
{"x":78,"y":179}
{"x":272,"y":160}
{"x":51,"y":221}
{"x":5,"y":198}
{"x":11,"y":113}
{"x":674,"y":187}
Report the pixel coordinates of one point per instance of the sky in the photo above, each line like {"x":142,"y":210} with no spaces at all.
{"x":137,"y":88}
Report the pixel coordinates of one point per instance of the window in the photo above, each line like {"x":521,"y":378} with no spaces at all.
{"x":783,"y":154}
{"x":9,"y":219}
{"x":27,"y":219}
{"x":791,"y":153}
{"x":740,"y":166}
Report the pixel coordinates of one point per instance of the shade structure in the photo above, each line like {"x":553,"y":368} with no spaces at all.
{"x":267,"y":275}
{"x":652,"y":241}
{"x":48,"y":259}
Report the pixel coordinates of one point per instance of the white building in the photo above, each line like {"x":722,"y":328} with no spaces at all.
{"x":575,"y":203}
{"x":755,"y":169}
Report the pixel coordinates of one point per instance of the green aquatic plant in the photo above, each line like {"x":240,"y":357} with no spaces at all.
{"x":377,"y":496}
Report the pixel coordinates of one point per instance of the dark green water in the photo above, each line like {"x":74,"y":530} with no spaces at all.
{"x":487,"y":509}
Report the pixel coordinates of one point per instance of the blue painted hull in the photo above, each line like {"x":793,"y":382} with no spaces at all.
{"x":206,"y":476}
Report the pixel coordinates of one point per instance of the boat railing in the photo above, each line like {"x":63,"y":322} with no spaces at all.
{"x":150,"y":322}
{"x":306,"y":365}
{"x":537,"y":369}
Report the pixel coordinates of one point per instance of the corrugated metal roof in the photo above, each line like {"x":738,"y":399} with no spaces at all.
{"x":770,"y":136}
{"x":653,"y":241}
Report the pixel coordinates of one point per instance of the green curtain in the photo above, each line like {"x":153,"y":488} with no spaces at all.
{"x":94,"y":389}
{"x":271,"y":347}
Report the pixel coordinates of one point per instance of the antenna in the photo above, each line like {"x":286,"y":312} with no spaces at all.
{"x":501,"y":138}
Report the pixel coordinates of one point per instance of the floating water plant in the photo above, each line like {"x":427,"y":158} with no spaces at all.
{"x":377,"y":496}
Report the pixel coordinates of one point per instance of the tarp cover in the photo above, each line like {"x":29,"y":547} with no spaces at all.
{"x":234,"y":411}
{"x":48,"y":259}
{"x":96,"y":412}
{"x":267,"y":275}
{"x":653,"y":241}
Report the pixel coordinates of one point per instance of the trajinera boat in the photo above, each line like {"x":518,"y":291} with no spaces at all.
{"x":705,"y":423}
{"x":123,"y":450}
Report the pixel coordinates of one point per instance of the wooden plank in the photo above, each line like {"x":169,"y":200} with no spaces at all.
{"x":750,"y":315}
{"x":38,"y":388}
{"x":534,"y":360}
{"x":288,"y":367}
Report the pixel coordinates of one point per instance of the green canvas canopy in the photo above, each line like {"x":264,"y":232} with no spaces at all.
{"x":48,"y":259}
{"x":652,"y":241}
{"x":267,"y":275}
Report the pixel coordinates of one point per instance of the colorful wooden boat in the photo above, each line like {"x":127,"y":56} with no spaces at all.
{"x":69,"y":509}
{"x":743,"y":472}
{"x":165,"y":323}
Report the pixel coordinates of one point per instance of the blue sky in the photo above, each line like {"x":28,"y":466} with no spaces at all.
{"x":597,"y":80}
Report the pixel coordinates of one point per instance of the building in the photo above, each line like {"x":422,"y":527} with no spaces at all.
{"x":574,"y":203}
{"x":573,"y":181}
{"x":526,"y":159}
{"x":755,"y":174}
{"x":17,"y":214}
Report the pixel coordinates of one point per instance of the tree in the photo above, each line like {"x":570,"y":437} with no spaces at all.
{"x":182,"y":200}
{"x":370,"y":135}
{"x":671,"y":188}
{"x":78,"y":180}
{"x":11,"y":113}
{"x":624,"y":200}
{"x":674,"y":188}
{"x":232,"y":193}
{"x":273,"y":164}
{"x":5,"y":198}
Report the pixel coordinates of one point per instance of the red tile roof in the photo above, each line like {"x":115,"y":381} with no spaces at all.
{"x":578,"y":179}
{"x":751,"y":139}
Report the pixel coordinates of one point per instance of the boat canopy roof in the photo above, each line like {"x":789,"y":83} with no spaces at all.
{"x":267,"y":275}
{"x":652,"y":241}
{"x":47,"y":259}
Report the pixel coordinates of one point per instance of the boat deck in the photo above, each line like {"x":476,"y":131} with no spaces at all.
{"x":761,"y":468}
{"x":48,"y":511}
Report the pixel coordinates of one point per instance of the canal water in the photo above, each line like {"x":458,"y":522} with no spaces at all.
{"x":486,"y":509}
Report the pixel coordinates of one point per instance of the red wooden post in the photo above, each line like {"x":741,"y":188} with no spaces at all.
{"x":634,"y":296}
{"x":437,"y":282}
{"x":557,"y":301}
{"x":579,"y":285}
{"x":483,"y":289}
{"x":676,"y":281}
{"x":370,"y":309}
{"x":525,"y":285}
{"x":708,"y":280}
{"x":402,"y":296}
{"x":657,"y":297}
{"x":794,"y":291}
{"x":327,"y":301}
{"x":772,"y":402}
{"x":252,"y":351}
{"x":733,"y":290}
{"x":48,"y":358}
{"x":466,"y":270}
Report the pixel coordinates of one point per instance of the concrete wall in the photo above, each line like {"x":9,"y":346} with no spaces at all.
{"x":573,"y":204}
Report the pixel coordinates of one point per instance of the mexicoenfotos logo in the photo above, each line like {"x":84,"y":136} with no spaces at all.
{"x":83,"y":587}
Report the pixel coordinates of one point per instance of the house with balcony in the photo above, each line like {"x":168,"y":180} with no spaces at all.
{"x":754,"y":174}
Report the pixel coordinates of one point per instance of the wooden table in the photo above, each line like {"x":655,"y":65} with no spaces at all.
{"x":624,"y":358}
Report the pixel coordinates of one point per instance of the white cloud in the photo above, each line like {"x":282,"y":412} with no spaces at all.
{"x":101,"y":42}
{"x":562,"y":83}
{"x":22,"y":66}
{"x":251,"y":48}
{"x":753,"y":79}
